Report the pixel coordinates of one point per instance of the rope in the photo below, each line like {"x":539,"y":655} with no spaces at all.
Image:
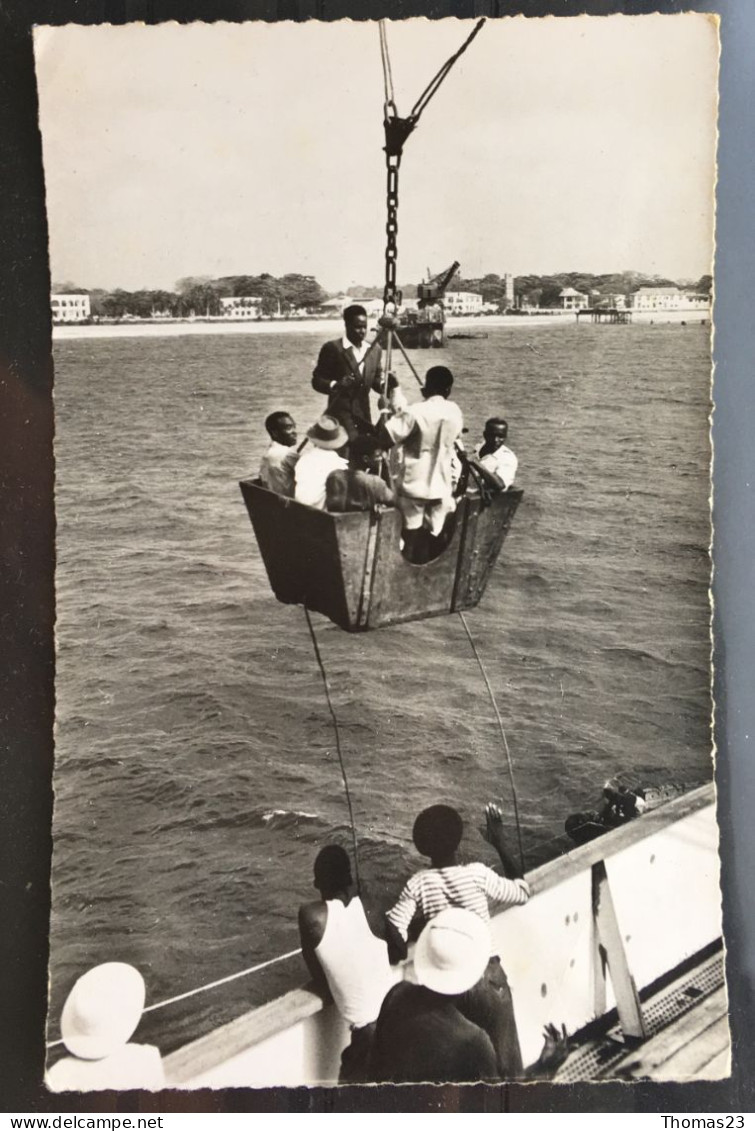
{"x":321,"y":666}
{"x":503,"y":735}
{"x":386,"y":60}
{"x":222,"y":981}
{"x":433,"y":85}
{"x":206,"y":986}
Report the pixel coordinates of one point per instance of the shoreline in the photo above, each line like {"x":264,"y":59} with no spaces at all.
{"x":331,"y":327}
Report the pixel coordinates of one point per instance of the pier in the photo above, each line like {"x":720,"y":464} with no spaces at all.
{"x":610,"y":315}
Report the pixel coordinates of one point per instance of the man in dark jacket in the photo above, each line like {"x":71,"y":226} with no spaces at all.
{"x":346,"y":370}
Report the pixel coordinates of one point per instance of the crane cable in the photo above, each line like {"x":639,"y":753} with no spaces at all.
{"x":502,"y":729}
{"x":336,"y":730}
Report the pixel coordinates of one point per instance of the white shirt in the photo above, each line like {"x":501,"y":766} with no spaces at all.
{"x":133,"y":1066}
{"x":358,"y":351}
{"x":311,"y":472}
{"x":428,"y":431}
{"x":502,"y":462}
{"x":355,"y":963}
{"x":277,"y":468}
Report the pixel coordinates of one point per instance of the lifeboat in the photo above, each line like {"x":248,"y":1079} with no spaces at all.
{"x":350,"y":567}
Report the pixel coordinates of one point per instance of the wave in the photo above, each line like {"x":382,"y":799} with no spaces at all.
{"x":284,"y":818}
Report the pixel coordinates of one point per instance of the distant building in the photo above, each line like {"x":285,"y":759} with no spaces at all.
{"x":462,"y":302}
{"x":246,"y":306}
{"x":570,"y":299}
{"x":667,"y":298}
{"x":336,"y":304}
{"x":508,"y":295}
{"x":70,"y":308}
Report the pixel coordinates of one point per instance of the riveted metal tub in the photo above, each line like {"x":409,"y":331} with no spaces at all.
{"x":350,"y":568}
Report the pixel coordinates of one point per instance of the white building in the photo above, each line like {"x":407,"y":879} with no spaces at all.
{"x":462,"y":302}
{"x":70,"y":308}
{"x":508,"y":283}
{"x":570,"y":299}
{"x":247,"y":306}
{"x":667,"y":298}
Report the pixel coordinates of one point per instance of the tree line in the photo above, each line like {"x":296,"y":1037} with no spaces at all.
{"x":200,"y":295}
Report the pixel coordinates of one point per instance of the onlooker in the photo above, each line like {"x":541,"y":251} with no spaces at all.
{"x":437,"y":833}
{"x":421,"y":1034}
{"x":428,"y":431}
{"x":347,"y":369}
{"x":493,"y":454}
{"x":279,"y":461}
{"x":327,"y":439}
{"x":101,"y":1013}
{"x":344,"y":956}
{"x":360,"y":488}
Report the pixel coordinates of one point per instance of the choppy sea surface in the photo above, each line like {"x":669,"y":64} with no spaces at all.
{"x":196,"y":774}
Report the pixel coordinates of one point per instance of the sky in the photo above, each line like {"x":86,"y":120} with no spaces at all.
{"x":557,"y":144}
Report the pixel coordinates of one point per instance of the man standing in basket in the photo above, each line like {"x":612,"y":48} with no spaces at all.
{"x":346,"y":370}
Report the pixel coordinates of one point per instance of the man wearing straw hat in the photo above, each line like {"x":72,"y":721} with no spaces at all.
{"x":327,"y":439}
{"x":99,"y":1017}
{"x":421,"y":1036}
{"x":437,"y":833}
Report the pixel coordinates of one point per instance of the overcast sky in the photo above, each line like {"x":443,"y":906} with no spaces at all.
{"x":554,"y":145}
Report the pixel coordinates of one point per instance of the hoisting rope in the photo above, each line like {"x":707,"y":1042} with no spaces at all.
{"x":462,"y":618}
{"x":208,"y":986}
{"x":323,"y":673}
{"x":290,"y":953}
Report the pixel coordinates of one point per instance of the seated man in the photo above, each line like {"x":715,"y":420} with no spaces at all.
{"x":494,"y":456}
{"x":437,"y":833}
{"x":428,"y":431}
{"x":360,"y":488}
{"x":344,"y":957}
{"x":279,"y":461}
{"x":327,"y":440}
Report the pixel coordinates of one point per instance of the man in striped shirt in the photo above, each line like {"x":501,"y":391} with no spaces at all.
{"x":437,"y":833}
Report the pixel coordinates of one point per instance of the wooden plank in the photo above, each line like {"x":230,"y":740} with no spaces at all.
{"x":720,"y":1067}
{"x":250,"y":1029}
{"x":667,"y":1047}
{"x":579,"y":859}
{"x":691,"y":1061}
{"x":612,"y":945}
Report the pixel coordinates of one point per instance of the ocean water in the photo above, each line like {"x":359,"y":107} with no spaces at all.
{"x":196,"y":773}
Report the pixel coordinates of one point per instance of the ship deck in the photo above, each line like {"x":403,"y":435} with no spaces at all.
{"x":688,"y":1035}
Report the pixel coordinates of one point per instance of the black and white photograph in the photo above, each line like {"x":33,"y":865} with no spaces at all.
{"x":383,"y":393}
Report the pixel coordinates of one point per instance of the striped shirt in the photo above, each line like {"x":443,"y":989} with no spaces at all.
{"x":470,"y":886}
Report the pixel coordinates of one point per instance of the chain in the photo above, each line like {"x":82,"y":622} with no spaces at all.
{"x":397,"y":130}
{"x":390,"y":298}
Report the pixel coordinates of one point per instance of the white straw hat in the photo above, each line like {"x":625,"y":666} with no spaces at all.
{"x":327,"y":433}
{"x":452,"y":951}
{"x":102,"y":1010}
